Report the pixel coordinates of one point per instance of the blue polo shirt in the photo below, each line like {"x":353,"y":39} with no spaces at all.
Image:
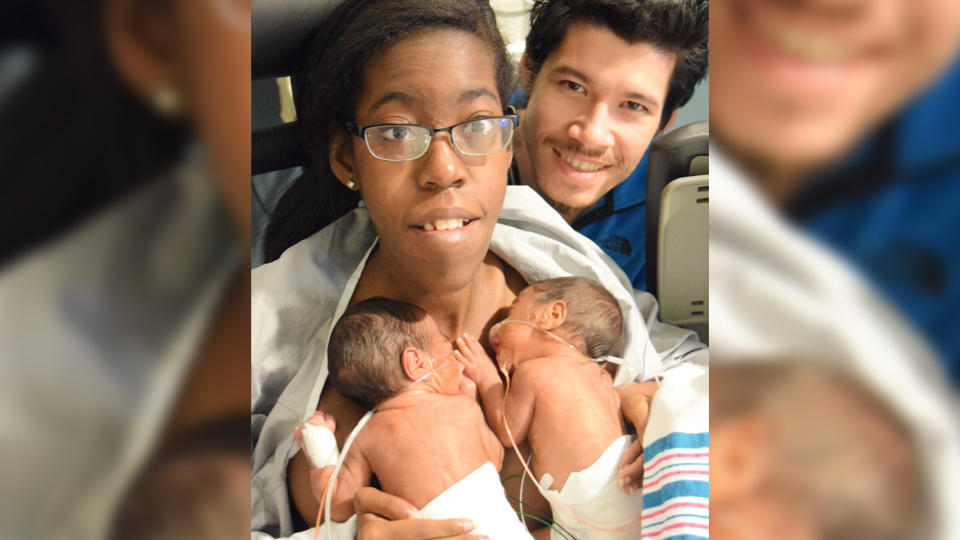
{"x":893,"y":209}
{"x":617,"y":223}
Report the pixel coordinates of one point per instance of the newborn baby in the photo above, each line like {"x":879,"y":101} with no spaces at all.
{"x":562,"y":400}
{"x":426,"y":443}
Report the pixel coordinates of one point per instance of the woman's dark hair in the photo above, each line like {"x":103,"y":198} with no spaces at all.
{"x":327,"y":86}
{"x":364,"y":353}
{"x":676,"y":26}
{"x":73,"y":137}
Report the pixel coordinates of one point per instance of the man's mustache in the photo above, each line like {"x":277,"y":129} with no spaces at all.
{"x":575,"y":148}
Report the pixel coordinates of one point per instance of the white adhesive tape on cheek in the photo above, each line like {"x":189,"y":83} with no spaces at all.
{"x":320,"y":444}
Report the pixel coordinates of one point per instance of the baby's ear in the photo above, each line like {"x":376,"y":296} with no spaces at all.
{"x":552,"y":315}
{"x":415,"y":362}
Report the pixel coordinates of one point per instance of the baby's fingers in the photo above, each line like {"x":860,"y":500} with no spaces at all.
{"x":474,"y":345}
{"x":463,"y":360}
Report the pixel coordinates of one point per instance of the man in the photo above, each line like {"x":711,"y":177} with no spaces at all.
{"x":843,"y":115}
{"x":603,"y":78}
{"x":839,"y":132}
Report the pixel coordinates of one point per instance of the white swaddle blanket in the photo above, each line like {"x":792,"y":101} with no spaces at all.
{"x":592,"y":495}
{"x":479,"y":496}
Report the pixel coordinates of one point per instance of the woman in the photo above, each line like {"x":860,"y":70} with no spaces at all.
{"x":438,"y":229}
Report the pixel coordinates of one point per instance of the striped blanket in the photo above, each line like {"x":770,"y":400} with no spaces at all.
{"x":676,"y":459}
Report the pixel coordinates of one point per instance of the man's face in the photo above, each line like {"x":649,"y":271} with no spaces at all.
{"x":795,"y":84}
{"x":594,"y":107}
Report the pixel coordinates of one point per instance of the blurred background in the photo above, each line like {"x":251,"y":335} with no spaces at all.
{"x":124,"y":283}
{"x":126,"y":236}
{"x":835,"y":172}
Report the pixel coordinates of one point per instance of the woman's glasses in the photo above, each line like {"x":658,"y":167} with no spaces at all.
{"x":403,"y":142}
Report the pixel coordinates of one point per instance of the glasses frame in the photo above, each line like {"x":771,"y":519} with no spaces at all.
{"x":361,"y":131}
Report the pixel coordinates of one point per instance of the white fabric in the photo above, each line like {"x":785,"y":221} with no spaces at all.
{"x":479,"y":496}
{"x":98,"y":330}
{"x":296,"y":299}
{"x":681,"y":404}
{"x":321,"y":445}
{"x":776,"y":293}
{"x":592,"y":495}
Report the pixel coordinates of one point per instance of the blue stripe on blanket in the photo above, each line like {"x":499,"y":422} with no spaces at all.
{"x":685,"y":537}
{"x":676,"y":440}
{"x":680,"y":488}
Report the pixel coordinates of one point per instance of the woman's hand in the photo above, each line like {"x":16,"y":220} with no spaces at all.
{"x":384,"y":516}
{"x":635,"y":402}
{"x":477,"y":366}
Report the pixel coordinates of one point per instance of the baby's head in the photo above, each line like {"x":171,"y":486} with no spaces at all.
{"x":379,"y":346}
{"x":578,"y":310}
{"x":800,"y":451}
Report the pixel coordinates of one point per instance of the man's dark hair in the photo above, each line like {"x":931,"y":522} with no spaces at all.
{"x":329,"y":81}
{"x":676,"y":26}
{"x":593,"y":314}
{"x":366,"y":344}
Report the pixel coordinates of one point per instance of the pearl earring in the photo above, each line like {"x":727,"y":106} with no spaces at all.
{"x":166,"y":100}
{"x":351,"y":185}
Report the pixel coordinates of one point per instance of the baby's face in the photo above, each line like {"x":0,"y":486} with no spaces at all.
{"x":448,"y":371}
{"x":510,"y":340}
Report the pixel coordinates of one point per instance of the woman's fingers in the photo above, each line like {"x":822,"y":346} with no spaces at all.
{"x":630,"y":469}
{"x":384,"y":516}
{"x":370,"y":500}
{"x":376,"y":528}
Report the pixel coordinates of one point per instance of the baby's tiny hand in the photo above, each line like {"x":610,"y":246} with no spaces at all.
{"x":319,"y":442}
{"x":320,"y":419}
{"x":477,"y":366}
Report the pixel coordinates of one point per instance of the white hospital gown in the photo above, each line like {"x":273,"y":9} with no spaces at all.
{"x":296,"y":299}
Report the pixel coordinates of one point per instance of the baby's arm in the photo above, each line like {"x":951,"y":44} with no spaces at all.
{"x":478,"y":367}
{"x":354,"y":474}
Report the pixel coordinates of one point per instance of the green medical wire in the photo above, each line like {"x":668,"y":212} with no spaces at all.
{"x":517,"y":476}
{"x":543,"y":522}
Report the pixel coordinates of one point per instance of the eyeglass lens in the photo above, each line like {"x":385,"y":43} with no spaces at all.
{"x":403,"y":142}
